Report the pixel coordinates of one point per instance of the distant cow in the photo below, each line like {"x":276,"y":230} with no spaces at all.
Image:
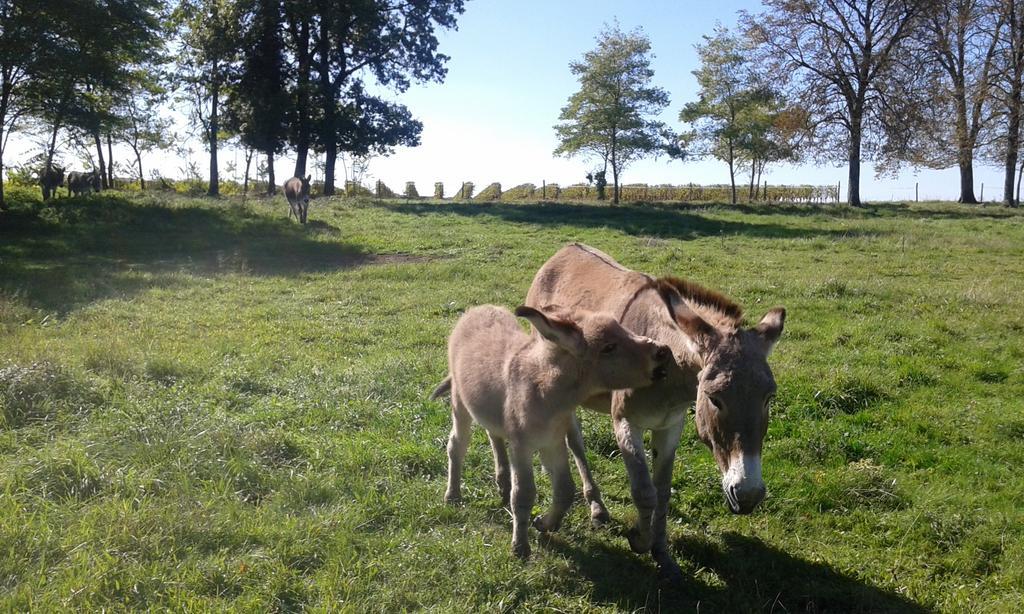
{"x":296,"y":190}
{"x":51,"y":179}
{"x":83,"y":183}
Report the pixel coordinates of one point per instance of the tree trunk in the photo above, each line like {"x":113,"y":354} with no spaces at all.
{"x":99,"y":155}
{"x":329,"y":165}
{"x":248,"y":163}
{"x":732,"y":172}
{"x":302,"y":137}
{"x":753,"y":175}
{"x":110,"y":162}
{"x":271,"y":182}
{"x":1019,"y":173}
{"x":1012,"y":143}
{"x":853,"y":183}
{"x":965,"y":151}
{"x":138,"y":161}
{"x":213,"y":128}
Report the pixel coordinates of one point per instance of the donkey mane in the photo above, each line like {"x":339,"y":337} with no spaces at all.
{"x":706,"y":299}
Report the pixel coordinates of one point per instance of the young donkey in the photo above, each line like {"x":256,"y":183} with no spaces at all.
{"x":523,"y":389}
{"x":296,"y":190}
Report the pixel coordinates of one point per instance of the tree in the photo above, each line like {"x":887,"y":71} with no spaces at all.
{"x":258,"y":103}
{"x":610,"y":116}
{"x":961,"y":39}
{"x":848,"y":67}
{"x":143,"y":128}
{"x":733,"y":119}
{"x":207,"y":55}
{"x":393,"y":41}
{"x":298,"y":17}
{"x":1011,"y":85}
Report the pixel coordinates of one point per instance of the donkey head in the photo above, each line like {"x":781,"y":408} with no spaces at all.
{"x":606,"y":354}
{"x":734,"y":390}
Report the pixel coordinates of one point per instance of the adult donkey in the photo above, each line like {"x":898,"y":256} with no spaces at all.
{"x":718,"y":363}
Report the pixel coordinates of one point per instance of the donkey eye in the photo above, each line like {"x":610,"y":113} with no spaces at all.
{"x":608,"y":349}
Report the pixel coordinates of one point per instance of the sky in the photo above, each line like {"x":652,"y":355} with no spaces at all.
{"x":508,"y":78}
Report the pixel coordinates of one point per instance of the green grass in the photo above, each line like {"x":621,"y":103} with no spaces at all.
{"x":206,"y":406}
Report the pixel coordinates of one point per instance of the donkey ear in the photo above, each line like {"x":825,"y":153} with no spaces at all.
{"x":703,"y":336}
{"x":555,"y":328}
{"x":308,"y":177}
{"x":770,"y":326}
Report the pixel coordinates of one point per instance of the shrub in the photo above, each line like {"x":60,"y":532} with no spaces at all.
{"x":410,"y":190}
{"x":439,"y":190}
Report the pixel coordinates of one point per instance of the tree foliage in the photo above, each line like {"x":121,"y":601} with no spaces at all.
{"x":847,"y":64}
{"x":611,"y":116}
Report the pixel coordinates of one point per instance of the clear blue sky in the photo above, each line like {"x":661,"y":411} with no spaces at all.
{"x":508,"y":78}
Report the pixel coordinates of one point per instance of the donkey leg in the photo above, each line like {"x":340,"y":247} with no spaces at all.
{"x":574,"y":439}
{"x":458,"y":443}
{"x":664,"y":442}
{"x":524,"y":495}
{"x":556,"y":462}
{"x":502,"y":471}
{"x":631,"y":444}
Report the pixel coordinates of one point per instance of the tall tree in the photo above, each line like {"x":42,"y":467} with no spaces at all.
{"x":849,"y":69}
{"x":1011,"y":85}
{"x":207,"y":55}
{"x":960,"y":38}
{"x":735,"y":118}
{"x":394,"y":41}
{"x":299,"y":25}
{"x":611,"y":116}
{"x":258,"y":103}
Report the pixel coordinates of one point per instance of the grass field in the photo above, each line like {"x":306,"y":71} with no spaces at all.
{"x":206,"y":406}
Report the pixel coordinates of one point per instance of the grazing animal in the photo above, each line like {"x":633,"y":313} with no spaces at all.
{"x":50,"y":179}
{"x":523,"y":389}
{"x":296,"y":190}
{"x":83,"y":182}
{"x":718,"y":363}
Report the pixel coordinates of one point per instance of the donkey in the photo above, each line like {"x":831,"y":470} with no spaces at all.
{"x":524,"y":389}
{"x":296,"y":190}
{"x":83,"y":182}
{"x":50,"y":179}
{"x":718,"y":363}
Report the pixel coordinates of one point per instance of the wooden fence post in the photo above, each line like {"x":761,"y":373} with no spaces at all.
{"x":982,"y":199}
{"x":544,"y":189}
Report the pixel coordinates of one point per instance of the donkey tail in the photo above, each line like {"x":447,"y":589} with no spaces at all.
{"x":445,"y":387}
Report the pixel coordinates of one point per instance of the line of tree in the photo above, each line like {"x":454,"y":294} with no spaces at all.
{"x":268,"y":75}
{"x":924,"y":83}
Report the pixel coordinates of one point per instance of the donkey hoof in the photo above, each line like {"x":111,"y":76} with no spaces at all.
{"x":453,"y":498}
{"x":542,"y":525}
{"x":521,"y":550}
{"x":639,"y":543}
{"x":599,"y":517}
{"x":669,"y":572}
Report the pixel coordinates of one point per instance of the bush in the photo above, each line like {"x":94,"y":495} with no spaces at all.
{"x":439,"y":190}
{"x":410,"y":190}
{"x":491,"y":192}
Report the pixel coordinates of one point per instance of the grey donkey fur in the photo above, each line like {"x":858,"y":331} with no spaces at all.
{"x":296,"y":190}
{"x":523,"y":390}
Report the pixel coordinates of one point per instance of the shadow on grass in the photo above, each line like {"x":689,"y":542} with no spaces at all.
{"x":743,"y":575}
{"x":664,"y":221}
{"x":70,"y":252}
